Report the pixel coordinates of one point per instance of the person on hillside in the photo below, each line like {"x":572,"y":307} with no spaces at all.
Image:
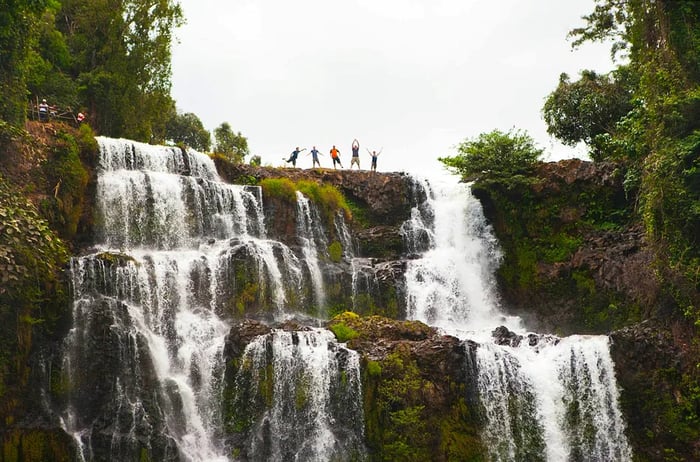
{"x":80,"y":118}
{"x":335,"y":155}
{"x":43,"y":111}
{"x":293,"y":156}
{"x":314,"y":156}
{"x":374,"y":155}
{"x":355,"y":154}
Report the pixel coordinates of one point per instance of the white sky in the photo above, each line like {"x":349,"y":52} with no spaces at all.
{"x":414,"y":77}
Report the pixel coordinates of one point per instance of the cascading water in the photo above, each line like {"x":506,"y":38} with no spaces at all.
{"x":176,"y":247}
{"x":544,"y":399}
{"x":180,"y":254}
{"x":308,"y":235}
{"x":314,"y":401}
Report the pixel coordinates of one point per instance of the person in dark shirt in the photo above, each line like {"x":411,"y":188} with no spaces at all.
{"x":293,"y":156}
{"x":355,"y":154}
{"x":374,"y":155}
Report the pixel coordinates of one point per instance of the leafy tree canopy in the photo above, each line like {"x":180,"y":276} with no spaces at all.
{"x":188,"y":129}
{"x":17,"y":30}
{"x":232,"y":145}
{"x":660,"y":137}
{"x":494,"y":154}
{"x":591,"y":106}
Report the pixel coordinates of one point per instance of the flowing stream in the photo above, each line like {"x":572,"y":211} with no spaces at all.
{"x":543,"y":399}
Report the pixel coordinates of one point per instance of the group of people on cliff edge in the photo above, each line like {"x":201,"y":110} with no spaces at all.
{"x":335,"y":156}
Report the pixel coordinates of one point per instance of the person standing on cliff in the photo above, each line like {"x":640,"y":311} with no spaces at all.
{"x":43,"y":111}
{"x":355,"y":154}
{"x":293,"y":156}
{"x":335,"y":155}
{"x":374,"y":155}
{"x":314,"y":156}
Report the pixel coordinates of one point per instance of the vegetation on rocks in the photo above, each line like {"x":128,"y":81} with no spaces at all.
{"x":415,"y":401}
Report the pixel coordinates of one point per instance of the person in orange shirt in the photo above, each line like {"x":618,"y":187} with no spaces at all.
{"x":335,"y":155}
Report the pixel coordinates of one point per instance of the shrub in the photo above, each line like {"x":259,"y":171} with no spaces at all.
{"x":494,"y":154}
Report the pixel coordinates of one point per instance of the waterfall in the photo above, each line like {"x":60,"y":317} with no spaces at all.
{"x":451,"y":284}
{"x":542,"y":399}
{"x":179,"y":254}
{"x":311,"y":385}
{"x":309,"y":232}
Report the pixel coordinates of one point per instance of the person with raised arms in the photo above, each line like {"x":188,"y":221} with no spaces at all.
{"x":374,"y":155}
{"x":355,"y":154}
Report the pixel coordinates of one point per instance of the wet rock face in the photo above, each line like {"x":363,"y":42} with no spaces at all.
{"x":656,"y":371}
{"x":503,"y":336}
{"x":381,"y":242}
{"x":386,"y":195}
{"x":621,"y":262}
{"x":571,"y":248}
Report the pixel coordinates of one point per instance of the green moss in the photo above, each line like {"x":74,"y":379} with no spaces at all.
{"x":246,"y":298}
{"x":301,"y":392}
{"x":374,"y":369}
{"x":114,"y":258}
{"x":68,"y":181}
{"x":335,"y":251}
{"x":342,"y":332}
{"x":360,"y":213}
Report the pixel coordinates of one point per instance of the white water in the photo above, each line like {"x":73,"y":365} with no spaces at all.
{"x":185,"y":238}
{"x":316,"y":410}
{"x":556,"y":401}
{"x":309,"y":233}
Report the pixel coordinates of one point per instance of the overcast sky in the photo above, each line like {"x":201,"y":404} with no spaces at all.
{"x":414,"y":77}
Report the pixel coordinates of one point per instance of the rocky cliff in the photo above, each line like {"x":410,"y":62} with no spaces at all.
{"x":575,"y":260}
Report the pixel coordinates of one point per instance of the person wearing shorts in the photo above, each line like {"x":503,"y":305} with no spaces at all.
{"x":355,"y":154}
{"x":335,"y":155}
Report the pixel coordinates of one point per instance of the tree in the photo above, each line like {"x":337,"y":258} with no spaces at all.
{"x":232,"y":145}
{"x":121,"y":62}
{"x":660,"y":137}
{"x":589,"y":107}
{"x":494,"y":154}
{"x":17,"y":28}
{"x":188,"y":129}
{"x":49,"y":63}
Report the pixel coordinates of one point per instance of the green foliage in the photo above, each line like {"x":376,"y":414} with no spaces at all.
{"x":29,"y":251}
{"x":374,"y":369}
{"x":49,"y":63}
{"x":403,"y":430}
{"x":590,"y":107}
{"x":660,"y":135}
{"x":326,"y":196}
{"x":234,"y":146}
{"x":342,"y":332}
{"x":494,"y":154}
{"x":335,"y":251}
{"x":279,"y":188}
{"x":111,"y":59}
{"x":17,"y":30}
{"x":255,"y":161}
{"x":31,"y":260}
{"x":64,"y":170}
{"x":188,"y":129}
